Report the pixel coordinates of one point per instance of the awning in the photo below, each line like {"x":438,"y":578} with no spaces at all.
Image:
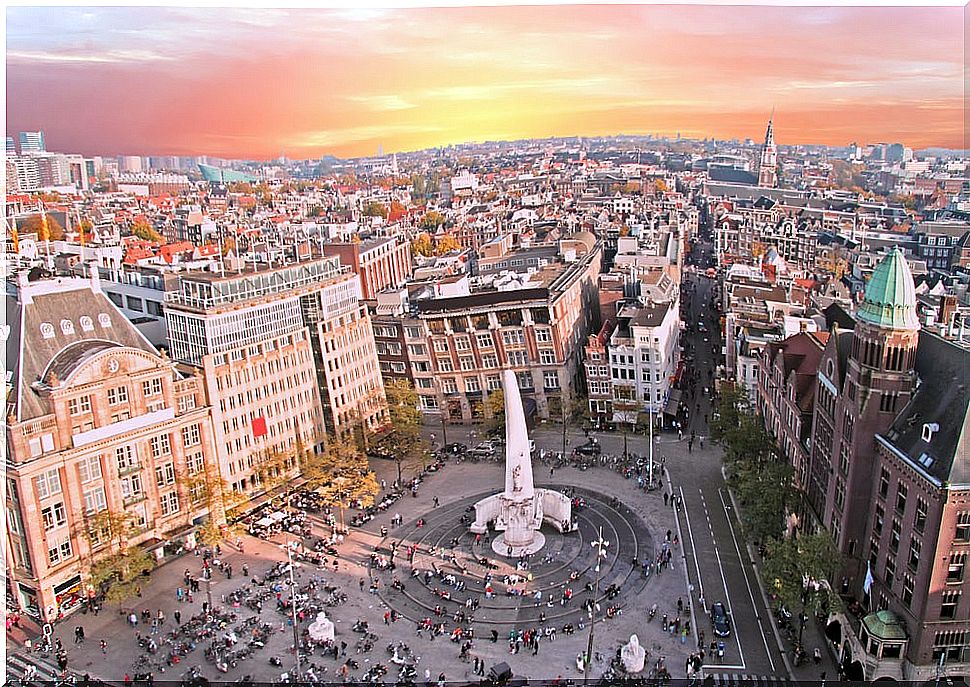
{"x":673,"y":402}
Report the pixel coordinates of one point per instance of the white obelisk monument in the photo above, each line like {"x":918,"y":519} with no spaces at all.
{"x":520,"y":509}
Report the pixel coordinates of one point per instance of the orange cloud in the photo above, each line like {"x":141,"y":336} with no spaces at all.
{"x":250,"y":83}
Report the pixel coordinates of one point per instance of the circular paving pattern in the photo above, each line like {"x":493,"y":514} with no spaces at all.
{"x":566,"y":562}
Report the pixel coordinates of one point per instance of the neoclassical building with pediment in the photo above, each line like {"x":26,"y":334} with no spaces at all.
{"x":97,"y":420}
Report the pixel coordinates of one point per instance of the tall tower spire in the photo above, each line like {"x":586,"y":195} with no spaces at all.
{"x":767,"y":167}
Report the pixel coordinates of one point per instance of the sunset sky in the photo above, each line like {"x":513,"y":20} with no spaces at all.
{"x":250,"y":83}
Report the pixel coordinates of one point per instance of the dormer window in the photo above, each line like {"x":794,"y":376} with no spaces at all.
{"x":67,"y":327}
{"x":929,"y":429}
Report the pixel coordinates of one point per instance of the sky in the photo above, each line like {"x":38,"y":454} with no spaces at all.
{"x":254,"y":83}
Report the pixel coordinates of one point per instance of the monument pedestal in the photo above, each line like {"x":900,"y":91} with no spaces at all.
{"x":501,"y":547}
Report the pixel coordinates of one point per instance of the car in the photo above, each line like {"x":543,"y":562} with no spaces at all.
{"x":590,"y":448}
{"x":455,"y":449}
{"x":484,"y":450}
{"x":720,"y":620}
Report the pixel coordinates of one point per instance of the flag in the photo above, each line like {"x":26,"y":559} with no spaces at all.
{"x":868,"y":583}
{"x":14,"y":235}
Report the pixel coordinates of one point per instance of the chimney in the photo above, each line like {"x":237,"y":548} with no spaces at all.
{"x":95,"y":278}
{"x":948,"y":306}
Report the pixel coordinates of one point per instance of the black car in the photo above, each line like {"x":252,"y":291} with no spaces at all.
{"x":720,"y":620}
{"x":590,"y":448}
{"x":456,"y":449}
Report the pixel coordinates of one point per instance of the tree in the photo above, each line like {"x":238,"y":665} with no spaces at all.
{"x":660,"y":186}
{"x":34,"y":224}
{"x":423,"y":245}
{"x":117,"y":572}
{"x":495,"y":412}
{"x":404,"y":443}
{"x":446,"y":244}
{"x":340,"y":475}
{"x":143,"y":229}
{"x":432,"y":220}
{"x":375,"y":209}
{"x":795,"y":567}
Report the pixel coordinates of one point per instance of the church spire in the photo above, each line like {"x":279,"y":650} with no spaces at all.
{"x":767,"y":166}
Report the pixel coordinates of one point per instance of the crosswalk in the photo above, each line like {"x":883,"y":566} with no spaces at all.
{"x":739,"y":679}
{"x":18,"y":665}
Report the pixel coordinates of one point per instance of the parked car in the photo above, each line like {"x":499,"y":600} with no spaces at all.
{"x":590,"y":448}
{"x":455,"y":449}
{"x":484,"y":450}
{"x":720,"y":620}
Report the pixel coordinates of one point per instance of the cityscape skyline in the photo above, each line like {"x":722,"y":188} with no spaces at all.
{"x":183,"y":81}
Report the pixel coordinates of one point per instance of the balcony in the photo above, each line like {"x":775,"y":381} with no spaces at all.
{"x":133,"y":499}
{"x":134,"y":467}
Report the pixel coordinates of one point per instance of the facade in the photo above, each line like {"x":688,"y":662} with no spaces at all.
{"x":889,"y":477}
{"x":643,"y":358}
{"x":462,"y":343}
{"x":249,"y":336}
{"x":786,"y":377}
{"x":97,"y":422}
{"x":32,"y":142}
{"x":380,"y":263}
{"x":599,"y":382}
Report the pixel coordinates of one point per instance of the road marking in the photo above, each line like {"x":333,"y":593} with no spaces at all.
{"x":680,"y":536}
{"x":744,"y":572}
{"x":693,"y":549}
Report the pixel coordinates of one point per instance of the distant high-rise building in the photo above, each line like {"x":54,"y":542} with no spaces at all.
{"x":11,"y":147}
{"x":32,"y":142}
{"x":767,"y":168}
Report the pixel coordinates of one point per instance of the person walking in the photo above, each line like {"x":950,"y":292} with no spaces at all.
{"x":104,"y":646}
{"x":178,"y":616}
{"x":78,"y":635}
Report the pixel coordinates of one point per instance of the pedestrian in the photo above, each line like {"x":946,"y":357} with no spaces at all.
{"x":179,"y":595}
{"x":666,"y":498}
{"x":435,"y":501}
{"x":79,"y":635}
{"x":104,"y":646}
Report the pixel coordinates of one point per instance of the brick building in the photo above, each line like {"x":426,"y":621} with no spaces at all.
{"x":380,"y":263}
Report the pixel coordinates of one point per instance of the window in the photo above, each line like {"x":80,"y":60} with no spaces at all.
{"x":186,"y":403}
{"x":485,"y":340}
{"x":89,"y":469}
{"x":94,"y":500}
{"x":914,"y":550}
{"x":518,"y":358}
{"x":550,"y":380}
{"x":448,"y":386}
{"x":412,"y":332}
{"x":48,"y":483}
{"x":59,"y":549}
{"x":472,"y":385}
{"x":165,"y":474}
{"x":127,"y":458}
{"x":154,"y":308}
{"x":467,"y":362}
{"x":525,"y":380}
{"x":463,"y":343}
{"x":169,"y":503}
{"x":161,"y":446}
{"x":116,"y":298}
{"x":54,"y":516}
{"x":194,"y":463}
{"x":884,"y":483}
{"x":894,"y":536}
{"x":878,"y":520}
{"x":191,"y":436}
{"x":134,"y":303}
{"x":901,"y":493}
{"x":908,"y":584}
{"x":962,"y":533}
{"x":417,"y":349}
{"x":152,"y":387}
{"x":118,"y":394}
{"x":890,"y":570}
{"x":543,"y":334}
{"x":919,"y":522}
{"x":490,"y":361}
{"x":440,"y":345}
{"x":444,"y":365}
{"x":949,"y":602}
{"x":547,"y":357}
{"x":493,"y":383}
{"x":954,"y":572}
{"x":81,"y":404}
{"x":513,"y":337}
{"x":131,"y":486}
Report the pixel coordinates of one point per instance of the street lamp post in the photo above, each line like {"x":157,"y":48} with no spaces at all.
{"x":600,"y":545}
{"x":296,"y":629}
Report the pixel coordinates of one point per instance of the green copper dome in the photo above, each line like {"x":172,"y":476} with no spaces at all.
{"x":890,"y":299}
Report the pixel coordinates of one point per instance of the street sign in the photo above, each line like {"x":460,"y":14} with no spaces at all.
{"x":48,"y":629}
